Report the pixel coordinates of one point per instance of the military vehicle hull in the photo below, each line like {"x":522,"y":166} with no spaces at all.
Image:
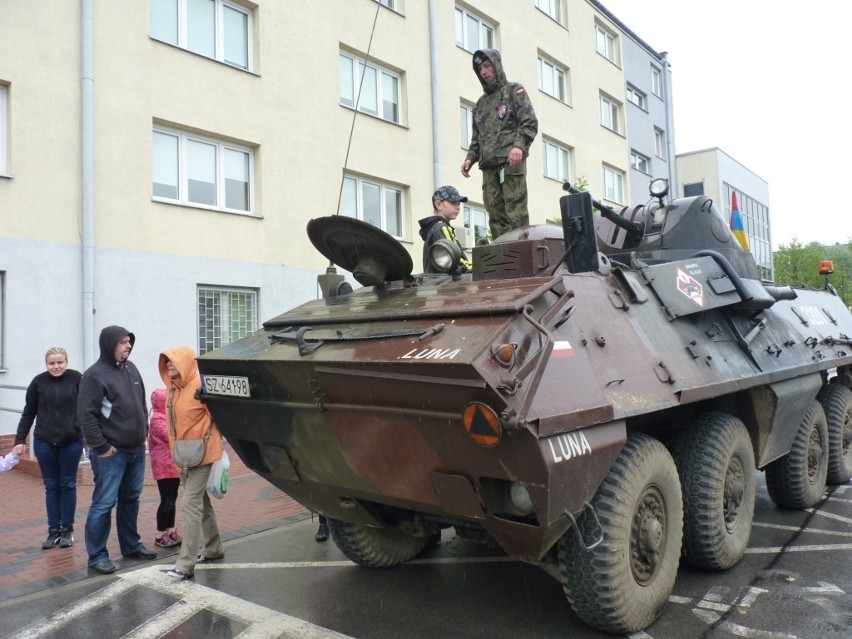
{"x":515,"y":407}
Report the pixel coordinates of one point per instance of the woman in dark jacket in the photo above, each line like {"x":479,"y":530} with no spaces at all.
{"x":57,"y":442}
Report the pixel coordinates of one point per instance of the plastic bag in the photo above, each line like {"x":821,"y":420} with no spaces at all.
{"x":8,"y":462}
{"x":217,"y":483}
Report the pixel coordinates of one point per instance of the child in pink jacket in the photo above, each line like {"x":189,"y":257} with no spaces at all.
{"x":164,"y":471}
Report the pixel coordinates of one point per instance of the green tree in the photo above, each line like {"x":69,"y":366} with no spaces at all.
{"x":798,"y":264}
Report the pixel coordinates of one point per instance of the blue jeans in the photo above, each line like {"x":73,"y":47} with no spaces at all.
{"x":118,"y":482}
{"x":58,"y":466}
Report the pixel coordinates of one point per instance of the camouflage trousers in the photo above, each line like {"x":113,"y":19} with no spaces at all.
{"x":506,"y":203}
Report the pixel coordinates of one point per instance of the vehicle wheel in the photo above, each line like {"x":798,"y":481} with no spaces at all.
{"x":374,"y":547}
{"x":715,"y":461}
{"x":836,"y":401}
{"x":623,"y":584}
{"x":797,"y":480}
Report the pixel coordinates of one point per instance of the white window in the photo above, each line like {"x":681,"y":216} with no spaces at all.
{"x":640,"y":162}
{"x":551,"y":79}
{"x":213,"y":28}
{"x":466,"y":124}
{"x":637,"y":97}
{"x":472,"y":32}
{"x":394,"y":5}
{"x":4,"y":128}
{"x":374,"y":202}
{"x":656,"y":82}
{"x":610,"y":114}
{"x":476,"y":218}
{"x":557,"y":162}
{"x":2,"y":315}
{"x":605,"y":43}
{"x":553,"y":8}
{"x":224,"y":316}
{"x":613,"y":185}
{"x":378,"y":87}
{"x":194,"y":170}
{"x":659,"y":143}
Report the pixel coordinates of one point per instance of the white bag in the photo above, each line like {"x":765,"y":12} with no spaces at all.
{"x":217,"y":483}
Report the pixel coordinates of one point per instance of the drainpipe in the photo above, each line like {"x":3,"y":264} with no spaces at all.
{"x":670,"y":143}
{"x":87,"y":188}
{"x":433,"y":59}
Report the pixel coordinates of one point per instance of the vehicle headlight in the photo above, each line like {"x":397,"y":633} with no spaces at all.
{"x":445,"y":256}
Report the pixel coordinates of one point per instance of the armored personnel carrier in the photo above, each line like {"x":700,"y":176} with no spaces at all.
{"x":598,"y":394}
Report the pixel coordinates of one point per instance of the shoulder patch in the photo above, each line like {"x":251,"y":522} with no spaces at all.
{"x":520,"y":91}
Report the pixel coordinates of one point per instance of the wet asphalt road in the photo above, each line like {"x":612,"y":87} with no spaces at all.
{"x":795,"y":582}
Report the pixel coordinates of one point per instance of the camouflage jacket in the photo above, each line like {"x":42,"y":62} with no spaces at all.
{"x":502,"y":118}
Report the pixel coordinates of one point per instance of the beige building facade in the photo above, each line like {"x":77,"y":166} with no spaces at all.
{"x":159,"y":159}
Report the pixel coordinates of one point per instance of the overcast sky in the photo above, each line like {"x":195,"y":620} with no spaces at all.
{"x":766,"y":82}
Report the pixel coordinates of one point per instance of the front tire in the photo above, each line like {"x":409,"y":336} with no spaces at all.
{"x":715,"y":461}
{"x":797,"y":480}
{"x":623,"y":584}
{"x":374,"y":547}
{"x":836,"y":401}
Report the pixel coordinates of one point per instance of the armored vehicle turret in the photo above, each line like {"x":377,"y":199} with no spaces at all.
{"x":598,"y":394}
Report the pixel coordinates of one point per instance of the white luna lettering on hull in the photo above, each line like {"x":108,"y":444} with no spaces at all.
{"x":431,"y":353}
{"x":569,"y":445}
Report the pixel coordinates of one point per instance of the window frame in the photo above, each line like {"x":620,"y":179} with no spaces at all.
{"x":559,"y":75}
{"x":613,"y":180}
{"x":181,"y":39}
{"x":4,"y":129}
{"x":640,"y":162}
{"x":562,"y":152}
{"x":552,"y":7}
{"x":484,"y":28}
{"x":637,"y":97}
{"x":612,"y":108}
{"x":466,"y":125}
{"x":469,"y":214}
{"x":656,"y":81}
{"x":609,"y":49}
{"x":2,"y":320}
{"x":183,"y":173}
{"x":226,"y":336}
{"x":360,"y":182}
{"x":660,"y":143}
{"x":358,"y":65}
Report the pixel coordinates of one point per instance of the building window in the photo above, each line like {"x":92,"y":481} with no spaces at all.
{"x":656,"y":82}
{"x":551,"y":79}
{"x":374,"y":202}
{"x":610,"y":114}
{"x":194,"y":170}
{"x":659,"y":143}
{"x":466,"y":124}
{"x":4,"y":128}
{"x":613,"y":185}
{"x":378,"y":87}
{"x":553,"y":8}
{"x":393,"y":5}
{"x":476,"y":218}
{"x":2,"y":315}
{"x":557,"y":161}
{"x":640,"y":162}
{"x":605,"y":43}
{"x":696,"y":188}
{"x":213,"y":28}
{"x":472,"y":32}
{"x":637,"y":97}
{"x":224,"y":316}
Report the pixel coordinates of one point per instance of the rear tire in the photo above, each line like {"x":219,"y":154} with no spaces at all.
{"x":715,"y":461}
{"x":374,"y":547}
{"x":797,"y":480}
{"x":623,"y":584}
{"x":836,"y":401}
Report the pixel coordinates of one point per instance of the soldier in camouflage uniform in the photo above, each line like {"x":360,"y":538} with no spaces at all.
{"x":504,"y":126}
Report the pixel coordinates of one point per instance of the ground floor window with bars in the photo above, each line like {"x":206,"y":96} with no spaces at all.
{"x":224,"y":316}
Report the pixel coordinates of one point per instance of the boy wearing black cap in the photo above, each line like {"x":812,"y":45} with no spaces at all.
{"x":446,"y":204}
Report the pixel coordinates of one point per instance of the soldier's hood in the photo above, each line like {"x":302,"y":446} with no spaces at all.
{"x":479,"y":57}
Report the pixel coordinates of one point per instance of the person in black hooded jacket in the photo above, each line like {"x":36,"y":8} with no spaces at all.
{"x":446,"y":203}
{"x":113,"y":415}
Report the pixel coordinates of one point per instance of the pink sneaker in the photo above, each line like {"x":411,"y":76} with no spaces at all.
{"x":176,"y":536}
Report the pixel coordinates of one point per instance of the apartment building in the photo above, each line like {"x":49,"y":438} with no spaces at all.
{"x":159,"y":159}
